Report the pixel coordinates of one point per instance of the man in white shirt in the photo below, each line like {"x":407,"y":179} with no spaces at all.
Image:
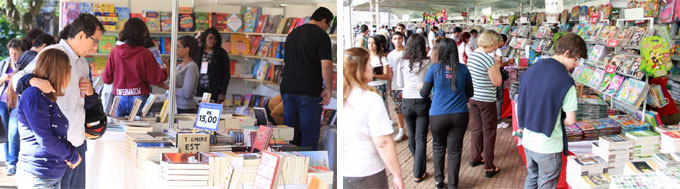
{"x":83,"y":38}
{"x":473,"y":39}
{"x":432,"y":36}
{"x":457,"y":31}
{"x":392,"y":59}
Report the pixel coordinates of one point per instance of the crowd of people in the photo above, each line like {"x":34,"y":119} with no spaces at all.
{"x":443,"y":84}
{"x":47,"y":94}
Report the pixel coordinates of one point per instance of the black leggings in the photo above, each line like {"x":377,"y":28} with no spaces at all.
{"x":448,"y":132}
{"x":416,"y":114}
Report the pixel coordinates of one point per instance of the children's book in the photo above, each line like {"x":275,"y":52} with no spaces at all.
{"x":234,"y":23}
{"x":240,"y":44}
{"x":86,"y":8}
{"x":667,"y":8}
{"x":614,"y":85}
{"x":655,"y":55}
{"x":250,"y":17}
{"x":596,"y":80}
{"x":606,"y":81}
{"x":219,"y":21}
{"x":71,"y":11}
{"x":203,"y":20}
{"x":123,"y":16}
{"x":255,"y":44}
{"x":153,"y":20}
{"x":186,"y":22}
{"x":166,"y":21}
{"x":106,"y":43}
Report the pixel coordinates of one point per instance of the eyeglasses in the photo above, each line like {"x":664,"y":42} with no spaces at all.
{"x":96,"y":41}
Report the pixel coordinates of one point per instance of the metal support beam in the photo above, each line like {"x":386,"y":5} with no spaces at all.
{"x":173,"y":65}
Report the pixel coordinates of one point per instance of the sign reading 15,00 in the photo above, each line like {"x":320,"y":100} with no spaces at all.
{"x":208,"y":116}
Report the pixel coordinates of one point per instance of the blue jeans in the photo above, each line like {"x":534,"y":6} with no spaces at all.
{"x":75,"y":178}
{"x":28,"y":180}
{"x":126,"y":103}
{"x":10,"y":122}
{"x":543,"y":170}
{"x":304,"y":114}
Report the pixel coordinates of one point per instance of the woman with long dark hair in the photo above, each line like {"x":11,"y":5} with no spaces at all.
{"x":379,"y":64}
{"x":413,"y":67}
{"x":449,"y":112}
{"x":131,"y":68}
{"x":213,"y":65}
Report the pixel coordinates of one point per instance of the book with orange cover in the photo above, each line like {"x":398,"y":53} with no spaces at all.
{"x":240,"y":44}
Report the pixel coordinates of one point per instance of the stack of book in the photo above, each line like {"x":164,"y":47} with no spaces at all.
{"x":282,"y":132}
{"x":589,"y":132}
{"x":295,"y":167}
{"x":615,"y":150}
{"x":646,"y":144}
{"x":590,"y":108}
{"x":322,"y":173}
{"x":629,"y":123}
{"x":250,"y":163}
{"x":664,"y":160}
{"x":669,"y":176}
{"x":639,"y":167}
{"x":185,"y":169}
{"x":573,"y":133}
{"x":596,"y":181}
{"x":670,"y":142}
{"x":152,"y":151}
{"x":635,"y":181}
{"x":584,"y":165}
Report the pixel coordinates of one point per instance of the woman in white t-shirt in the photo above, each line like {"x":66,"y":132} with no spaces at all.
{"x":379,"y":64}
{"x":367,"y":147}
{"x":413,"y":67}
{"x":463,"y":48}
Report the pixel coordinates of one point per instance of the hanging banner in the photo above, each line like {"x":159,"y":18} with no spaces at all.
{"x":554,"y":6}
{"x":437,"y":18}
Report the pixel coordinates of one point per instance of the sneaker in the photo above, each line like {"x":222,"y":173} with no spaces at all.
{"x":400,"y":136}
{"x":11,"y":170}
{"x":503,"y":125}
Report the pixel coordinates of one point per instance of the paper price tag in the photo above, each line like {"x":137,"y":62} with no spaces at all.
{"x":610,"y":69}
{"x":208,"y":116}
{"x":613,"y":43}
{"x":193,"y":142}
{"x":594,"y":17}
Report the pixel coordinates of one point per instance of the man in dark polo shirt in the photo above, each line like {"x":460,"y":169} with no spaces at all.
{"x":307,"y":77}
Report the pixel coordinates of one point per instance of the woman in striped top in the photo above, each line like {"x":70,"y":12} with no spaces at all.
{"x":486,"y":76}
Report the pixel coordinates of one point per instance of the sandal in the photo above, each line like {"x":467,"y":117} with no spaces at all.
{"x":493,"y":172}
{"x":418,"y":180}
{"x":475,"y":164}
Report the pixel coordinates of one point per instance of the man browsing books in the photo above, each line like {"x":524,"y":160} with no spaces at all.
{"x":307,"y":77}
{"x":542,"y":105}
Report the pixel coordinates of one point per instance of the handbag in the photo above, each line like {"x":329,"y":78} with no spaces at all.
{"x":95,"y":118}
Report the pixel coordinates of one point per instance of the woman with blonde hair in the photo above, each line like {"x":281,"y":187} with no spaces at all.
{"x":486,"y":76}
{"x":367,"y":145}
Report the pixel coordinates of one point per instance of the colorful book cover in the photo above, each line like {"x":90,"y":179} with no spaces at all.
{"x":166,"y":21}
{"x":106,"y":43}
{"x":234,"y":23}
{"x":186,"y":22}
{"x":652,"y":8}
{"x":86,"y":8}
{"x":264,"y":48}
{"x":606,"y":81}
{"x":289,"y":23}
{"x":153,"y":20}
{"x":123,"y":16}
{"x":228,"y":100}
{"x":226,"y":44}
{"x":71,"y":11}
{"x":597,"y":78}
{"x":250,"y":17}
{"x":676,"y":12}
{"x":667,"y":9}
{"x":638,"y":93}
{"x":240,"y":44}
{"x":203,"y":20}
{"x":282,"y":25}
{"x":246,"y":99}
{"x":273,"y":49}
{"x":626,"y":89}
{"x":103,"y":7}
{"x":280,"y":53}
{"x":232,"y":67}
{"x":255,"y":44}
{"x":261,"y":23}
{"x":237,"y":100}
{"x":166,"y":44}
{"x":138,"y":15}
{"x":219,"y":21}
{"x":301,"y":21}
{"x":185,"y":10}
{"x":614,"y":85}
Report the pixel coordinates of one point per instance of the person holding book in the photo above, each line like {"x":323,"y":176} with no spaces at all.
{"x":186,"y":77}
{"x":362,"y":38}
{"x":449,"y":113}
{"x":392,"y":60}
{"x":413,"y":67}
{"x":81,"y":39}
{"x":307,"y":77}
{"x":46,"y":153}
{"x":379,"y":63}
{"x":131,"y":68}
{"x":484,"y":70}
{"x":12,"y":137}
{"x":367,"y":148}
{"x":213,"y":65}
{"x":545,"y":107}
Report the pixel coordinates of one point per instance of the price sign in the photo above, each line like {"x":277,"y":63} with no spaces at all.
{"x":610,"y":69}
{"x":193,"y":142}
{"x":613,"y":43}
{"x":208,"y":116}
{"x":594,"y":17}
{"x":267,"y":171}
{"x":523,"y":62}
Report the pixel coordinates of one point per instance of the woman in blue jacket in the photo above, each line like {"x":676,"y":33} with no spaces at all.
{"x":45,"y":152}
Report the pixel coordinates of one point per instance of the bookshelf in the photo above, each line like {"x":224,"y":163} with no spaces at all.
{"x":257,"y":57}
{"x":269,"y":83}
